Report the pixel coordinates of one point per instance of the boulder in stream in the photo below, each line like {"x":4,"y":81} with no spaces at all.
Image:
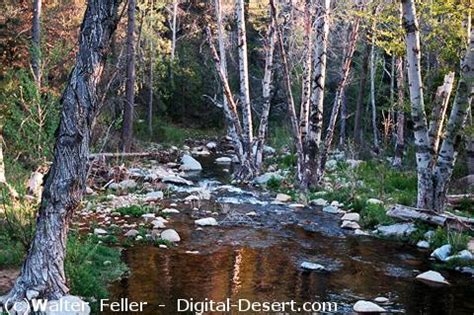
{"x":442,"y":253}
{"x":367,"y":307}
{"x":188,"y":163}
{"x":432,"y":277}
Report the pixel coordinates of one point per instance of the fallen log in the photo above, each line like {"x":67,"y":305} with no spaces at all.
{"x":457,"y":199}
{"x":125,"y":155}
{"x":447,"y":219}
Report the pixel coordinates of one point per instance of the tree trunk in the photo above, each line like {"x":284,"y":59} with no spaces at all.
{"x":400,"y":144}
{"x":127,"y":128}
{"x":346,"y":67}
{"x":313,"y":141}
{"x":43,"y":270}
{"x":244,"y":79}
{"x":174,"y":30}
{"x":150,"y":92}
{"x":373,"y":70}
{"x":438,"y":114}
{"x":360,"y":95}
{"x":306,"y":84}
{"x":342,"y":122}
{"x":36,"y":43}
{"x":422,"y":143}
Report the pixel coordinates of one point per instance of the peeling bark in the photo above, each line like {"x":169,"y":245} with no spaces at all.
{"x":306,"y":86}
{"x":36,"y":43}
{"x":400,"y":144}
{"x":43,"y":269}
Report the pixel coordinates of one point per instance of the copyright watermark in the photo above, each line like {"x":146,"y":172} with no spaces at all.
{"x":25,"y":306}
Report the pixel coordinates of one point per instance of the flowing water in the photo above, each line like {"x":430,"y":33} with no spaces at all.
{"x":260,"y":261}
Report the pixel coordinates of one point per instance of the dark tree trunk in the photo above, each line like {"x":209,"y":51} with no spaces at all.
{"x":36,"y":43}
{"x":43,"y":269}
{"x":127,"y":128}
{"x":360,"y":95}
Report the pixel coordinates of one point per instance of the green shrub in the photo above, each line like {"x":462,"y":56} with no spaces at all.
{"x":134,"y":210}
{"x":458,"y":240}
{"x":274,"y":183}
{"x":373,"y":215}
{"x":12,"y":252}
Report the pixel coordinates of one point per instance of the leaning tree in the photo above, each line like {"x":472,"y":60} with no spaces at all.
{"x":435,"y":158}
{"x":42,"y":274}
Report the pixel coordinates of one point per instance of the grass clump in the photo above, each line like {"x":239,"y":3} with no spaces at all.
{"x":134,"y":210}
{"x":442,"y":236}
{"x":274,"y":183}
{"x":373,"y":215}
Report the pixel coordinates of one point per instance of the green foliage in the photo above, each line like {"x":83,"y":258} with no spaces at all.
{"x":134,"y":210}
{"x":442,"y":236}
{"x":274,"y":183}
{"x":91,"y":266}
{"x":373,"y":215}
{"x":164,"y":242}
{"x":279,"y":137}
{"x":12,"y":252}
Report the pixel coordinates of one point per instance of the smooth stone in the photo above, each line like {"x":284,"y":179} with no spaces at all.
{"x":398,"y":229}
{"x":154,"y":195}
{"x":148,"y":216}
{"x":352,"y":216}
{"x":188,"y":163}
{"x":312,"y":266}
{"x":251,"y":214}
{"x":350,"y":225}
{"x":158,"y":224}
{"x":131,"y":233}
{"x":98,"y":231}
{"x":432,"y":277}
{"x":138,"y":238}
{"x":319,"y":202}
{"x":283,"y":197}
{"x":264,"y":178}
{"x":361,"y":232}
{"x":381,"y":299}
{"x":442,"y":253}
{"x":423,"y":244}
{"x":331,"y":209}
{"x":170,"y":235}
{"x":367,"y":307}
{"x":211,"y":145}
{"x":464,"y":255}
{"x":206,"y":222}
{"x":128,"y":184}
{"x":169,"y":210}
{"x":337,"y":204}
{"x":374,"y":201}
{"x":429,"y":235}
{"x":296,"y":205}
{"x":223,"y":160}
{"x":174,"y":179}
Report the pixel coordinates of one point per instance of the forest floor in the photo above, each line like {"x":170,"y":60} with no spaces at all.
{"x":187,"y":230}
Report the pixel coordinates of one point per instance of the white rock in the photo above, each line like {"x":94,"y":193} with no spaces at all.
{"x":68,"y":305}
{"x":268,"y":150}
{"x":331,"y":165}
{"x":200,"y":151}
{"x":374,"y":201}
{"x":211,"y":145}
{"x":432,"y":277}
{"x":464,"y":255}
{"x":138,"y":238}
{"x":153,"y":196}
{"x":312,"y":266}
{"x":423,"y":244}
{"x":283,"y":197}
{"x":188,"y":163}
{"x":148,"y":217}
{"x":206,"y":222}
{"x":35,"y":184}
{"x":429,"y":235}
{"x":174,"y":179}
{"x":352,"y":216}
{"x":442,"y":253}
{"x":98,"y":231}
{"x":367,"y":307}
{"x":224,"y":160}
{"x":170,"y":235}
{"x":264,"y":178}
{"x":319,"y":202}
{"x":251,"y":214}
{"x":296,"y":205}
{"x":381,"y":299}
{"x":169,"y":210}
{"x":331,"y":209}
{"x":192,"y":198}
{"x":336,"y":203}
{"x":399,"y":229}
{"x":128,"y":184}
{"x":361,"y":232}
{"x":131,"y":233}
{"x":158,"y":224}
{"x":350,"y":225}
{"x":89,"y":191}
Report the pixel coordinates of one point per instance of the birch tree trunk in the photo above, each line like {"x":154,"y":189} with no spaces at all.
{"x":373,"y":70}
{"x":345,"y":70}
{"x":150,"y":92}
{"x":43,"y":269}
{"x":36,"y":43}
{"x":127,"y":128}
{"x":313,"y":140}
{"x":174,"y":30}
{"x":422,"y":143}
{"x":400,"y":144}
{"x":306,"y":86}
{"x":244,"y":79}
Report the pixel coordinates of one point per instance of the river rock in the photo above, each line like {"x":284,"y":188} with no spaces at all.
{"x":283,"y":197}
{"x":331,"y":209}
{"x":200,"y":151}
{"x":223,"y":160}
{"x":148,"y":217}
{"x":337,"y":204}
{"x":312,"y":266}
{"x":188,"y":163}
{"x":98,"y":231}
{"x":68,"y":305}
{"x":170,"y":211}
{"x":158,"y":224}
{"x":211,"y":145}
{"x":128,"y":184}
{"x":381,"y":300}
{"x":374,"y":201}
{"x":170,"y":235}
{"x":432,"y":277}
{"x":352,"y":216}
{"x":350,"y":225}
{"x":331,"y":165}
{"x":367,"y":307}
{"x":423,"y":244}
{"x":319,"y":202}
{"x":464,"y":255}
{"x":131,"y":233}
{"x":398,"y":229}
{"x":174,"y":179}
{"x":206,"y":222}
{"x":429,"y":235}
{"x":153,"y":196}
{"x":251,"y":214}
{"x":264,"y":178}
{"x":442,"y":253}
{"x":360,"y":232}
